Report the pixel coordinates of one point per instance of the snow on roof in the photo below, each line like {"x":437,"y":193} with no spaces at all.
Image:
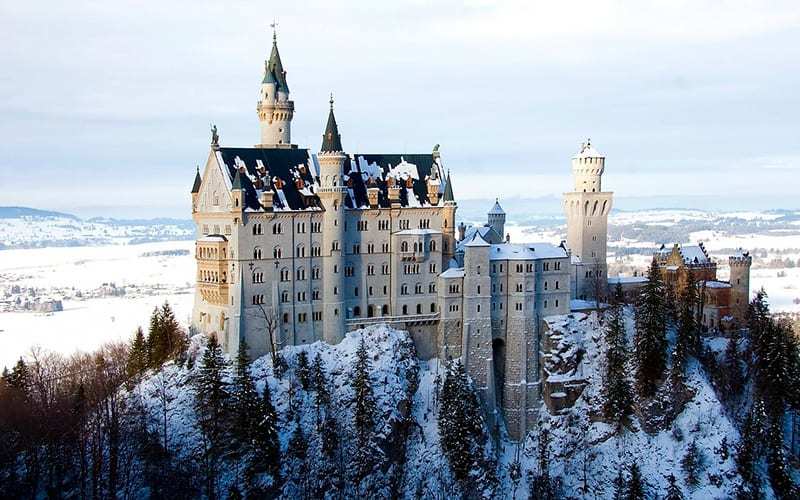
{"x":588,"y":151}
{"x":508,"y":251}
{"x":694,"y":254}
{"x":529,"y":251}
{"x":496,"y":209}
{"x":419,"y":231}
{"x":477,"y":241}
{"x":453,"y":272}
{"x":717,"y":284}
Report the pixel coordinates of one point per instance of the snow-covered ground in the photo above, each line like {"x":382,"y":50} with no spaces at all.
{"x":75,"y":275}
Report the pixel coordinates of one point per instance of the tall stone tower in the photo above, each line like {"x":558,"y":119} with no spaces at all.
{"x":448,"y":223}
{"x":497,"y":219}
{"x":476,"y":350}
{"x":275,"y":110}
{"x":740,"y":285}
{"x":331,"y":193}
{"x":587,"y":208}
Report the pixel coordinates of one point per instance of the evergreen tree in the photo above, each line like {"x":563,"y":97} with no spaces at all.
{"x":303,"y":372}
{"x":634,"y":489}
{"x":732,"y":367}
{"x":154,"y":341}
{"x":329,"y":471}
{"x":211,"y":407}
{"x":650,"y":341}
{"x":617,"y":393}
{"x":673,"y":490}
{"x":692,"y":464}
{"x":20,"y":378}
{"x":779,"y":476}
{"x":246,"y":414}
{"x":296,"y":453}
{"x":265,"y":457}
{"x":750,"y":448}
{"x":460,"y":425}
{"x":620,"y":483}
{"x":319,"y":381}
{"x":363,"y":414}
{"x":542,"y":486}
{"x":686,"y":338}
{"x":137,"y":358}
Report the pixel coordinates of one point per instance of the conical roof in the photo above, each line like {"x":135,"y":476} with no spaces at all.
{"x":237,"y":181}
{"x":448,"y":189}
{"x":497,"y":209}
{"x":275,"y":68}
{"x":197,"y":182}
{"x":331,"y":139}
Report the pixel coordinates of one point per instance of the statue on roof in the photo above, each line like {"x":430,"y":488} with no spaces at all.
{"x":214,"y":135}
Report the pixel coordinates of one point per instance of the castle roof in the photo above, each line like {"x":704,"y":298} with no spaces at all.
{"x":496,"y":209}
{"x":331,"y":139}
{"x":527,"y":251}
{"x":486,"y":233}
{"x":274,"y":70}
{"x":691,"y":254}
{"x":476,"y":241}
{"x":588,"y":151}
{"x":292,"y":176}
{"x":237,"y":180}
{"x":197,"y":182}
{"x":448,"y":189}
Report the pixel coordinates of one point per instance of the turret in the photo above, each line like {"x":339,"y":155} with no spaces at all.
{"x":332,"y":190}
{"x":237,"y":192}
{"x":448,"y":220}
{"x":587,"y":169}
{"x":196,"y":189}
{"x":275,"y":110}
{"x":740,"y":264}
{"x":497,"y":219}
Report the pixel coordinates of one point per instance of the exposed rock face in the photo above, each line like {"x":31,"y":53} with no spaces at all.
{"x":562,"y":357}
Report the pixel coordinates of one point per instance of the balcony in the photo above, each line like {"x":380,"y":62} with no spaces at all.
{"x":407,"y":320}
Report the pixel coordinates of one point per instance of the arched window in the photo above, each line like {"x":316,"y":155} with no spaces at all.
{"x":301,"y":250}
{"x":257,"y":253}
{"x":285,"y":317}
{"x":356,"y":311}
{"x":385,"y":310}
{"x":419,"y":308}
{"x":284,"y":274}
{"x":404,"y":246}
{"x":370,"y":311}
{"x":433,"y":246}
{"x":277,"y":253}
{"x":405,"y":310}
{"x":433,"y":307}
{"x":301,"y":274}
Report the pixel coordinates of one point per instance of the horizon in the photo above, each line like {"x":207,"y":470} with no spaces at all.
{"x":696,"y":107}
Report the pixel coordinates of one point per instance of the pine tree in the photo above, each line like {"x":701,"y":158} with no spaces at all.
{"x":686,"y":338}
{"x":265,"y":457}
{"x":303,"y":372}
{"x":634,"y":489}
{"x":364,"y":413}
{"x":171,"y":332}
{"x":154,"y":341}
{"x":296,"y":453}
{"x":211,"y":407}
{"x":750,"y":448}
{"x":692,"y":464}
{"x":20,"y":378}
{"x":330,"y":477}
{"x":732,"y":367}
{"x":617,"y":393}
{"x":620,"y":483}
{"x":779,"y":477}
{"x":319,"y":382}
{"x":461,"y":425}
{"x":137,"y":358}
{"x":650,"y":342}
{"x":542,"y":486}
{"x":673,"y":490}
{"x":245,"y":403}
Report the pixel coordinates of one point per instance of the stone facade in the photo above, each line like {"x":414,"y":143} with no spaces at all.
{"x":295,"y":247}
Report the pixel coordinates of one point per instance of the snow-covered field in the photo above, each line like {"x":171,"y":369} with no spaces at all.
{"x":76,"y":276}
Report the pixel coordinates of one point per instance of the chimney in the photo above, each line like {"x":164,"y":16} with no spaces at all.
{"x":372,"y":196}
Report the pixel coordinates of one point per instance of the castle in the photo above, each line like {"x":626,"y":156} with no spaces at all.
{"x":295,"y":247}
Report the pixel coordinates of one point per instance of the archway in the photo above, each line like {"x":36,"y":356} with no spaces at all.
{"x":499,"y":362}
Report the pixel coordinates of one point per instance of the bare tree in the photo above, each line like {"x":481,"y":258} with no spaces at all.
{"x":597,"y":281}
{"x":270,"y":318}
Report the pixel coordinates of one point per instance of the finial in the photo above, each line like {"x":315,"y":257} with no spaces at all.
{"x":588,"y":141}
{"x":274,"y":26}
{"x":331,"y":101}
{"x":198,"y":168}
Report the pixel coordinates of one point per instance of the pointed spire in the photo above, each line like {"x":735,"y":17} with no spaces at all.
{"x":331,"y":139}
{"x":197,"y":181}
{"x":274,"y":71}
{"x":448,"y":190}
{"x":237,"y":181}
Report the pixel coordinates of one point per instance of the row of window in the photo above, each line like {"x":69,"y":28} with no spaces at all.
{"x":277,"y":228}
{"x":528,"y":268}
{"x":418,"y":246}
{"x":417,"y":289}
{"x":210,"y":253}
{"x":216,"y":228}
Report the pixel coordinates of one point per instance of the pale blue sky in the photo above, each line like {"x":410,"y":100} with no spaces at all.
{"x":106,"y":105}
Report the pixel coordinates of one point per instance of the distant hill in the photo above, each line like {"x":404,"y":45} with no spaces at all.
{"x":16,"y":212}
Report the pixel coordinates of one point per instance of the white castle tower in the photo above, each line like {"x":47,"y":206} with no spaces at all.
{"x":497,"y":219}
{"x":331,"y":193}
{"x":275,"y":110}
{"x":587,"y":208}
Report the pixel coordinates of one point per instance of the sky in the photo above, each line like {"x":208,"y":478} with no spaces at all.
{"x":106,"y":106}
